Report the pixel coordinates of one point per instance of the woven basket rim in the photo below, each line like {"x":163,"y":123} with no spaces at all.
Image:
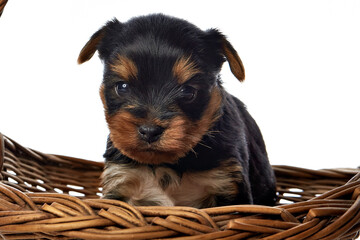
{"x":333,"y":214}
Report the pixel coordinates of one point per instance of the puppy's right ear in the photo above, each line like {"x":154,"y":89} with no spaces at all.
{"x":104,"y":40}
{"x":91,"y":46}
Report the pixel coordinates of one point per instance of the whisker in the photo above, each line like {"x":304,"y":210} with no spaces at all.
{"x":214,"y":131}
{"x":192,"y":150}
{"x":211,"y":133}
{"x":202,"y":144}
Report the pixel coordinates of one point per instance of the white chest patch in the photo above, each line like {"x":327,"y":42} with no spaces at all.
{"x":142,"y":185}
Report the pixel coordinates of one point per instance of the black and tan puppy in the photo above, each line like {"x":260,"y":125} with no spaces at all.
{"x":176,"y":136}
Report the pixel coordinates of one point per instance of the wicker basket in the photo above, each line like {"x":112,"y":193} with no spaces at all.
{"x":44,"y":196}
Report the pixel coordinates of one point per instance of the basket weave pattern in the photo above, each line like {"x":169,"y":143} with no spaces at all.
{"x":44,"y":196}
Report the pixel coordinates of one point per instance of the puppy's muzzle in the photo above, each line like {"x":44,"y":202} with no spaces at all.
{"x":150,"y":133}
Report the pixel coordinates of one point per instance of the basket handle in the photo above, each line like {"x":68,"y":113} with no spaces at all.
{"x":2,"y":154}
{"x":2,"y":5}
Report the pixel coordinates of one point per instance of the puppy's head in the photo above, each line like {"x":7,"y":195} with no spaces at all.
{"x":161,"y":90}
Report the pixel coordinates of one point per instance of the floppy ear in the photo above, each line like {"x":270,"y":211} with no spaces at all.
{"x":236,"y":65}
{"x":104,"y":40}
{"x":91,"y":46}
{"x":218,"y":41}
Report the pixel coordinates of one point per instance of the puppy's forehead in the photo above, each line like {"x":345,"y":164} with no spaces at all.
{"x":155,"y":61}
{"x":156,"y":38}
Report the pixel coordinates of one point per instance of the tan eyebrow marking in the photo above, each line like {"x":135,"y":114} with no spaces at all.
{"x":184,"y":69}
{"x":125,"y":67}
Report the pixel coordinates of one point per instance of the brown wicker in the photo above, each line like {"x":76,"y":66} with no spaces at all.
{"x":313,"y":204}
{"x":2,"y":5}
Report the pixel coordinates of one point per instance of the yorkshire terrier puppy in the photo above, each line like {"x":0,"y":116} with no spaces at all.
{"x":176,"y":136}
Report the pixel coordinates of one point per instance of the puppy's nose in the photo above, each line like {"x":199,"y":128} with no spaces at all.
{"x":150,"y":133}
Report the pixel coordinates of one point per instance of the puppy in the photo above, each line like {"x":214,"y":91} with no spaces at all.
{"x":176,"y":136}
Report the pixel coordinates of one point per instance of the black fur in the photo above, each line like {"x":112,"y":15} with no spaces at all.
{"x":154,"y":43}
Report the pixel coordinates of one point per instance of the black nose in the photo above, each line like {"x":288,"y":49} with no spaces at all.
{"x":150,"y":133}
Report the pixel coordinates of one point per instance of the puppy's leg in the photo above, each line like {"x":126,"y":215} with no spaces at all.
{"x":136,"y":185}
{"x":223,"y":185}
{"x":237,"y":173}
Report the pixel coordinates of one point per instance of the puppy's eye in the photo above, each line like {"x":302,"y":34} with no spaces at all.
{"x":121,"y":87}
{"x":188,"y":93}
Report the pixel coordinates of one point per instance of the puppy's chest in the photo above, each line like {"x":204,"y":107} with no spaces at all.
{"x":196,"y":189}
{"x":163,"y":186}
{"x":188,"y":190}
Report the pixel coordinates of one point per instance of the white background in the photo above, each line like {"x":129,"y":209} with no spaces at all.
{"x":302,"y":62}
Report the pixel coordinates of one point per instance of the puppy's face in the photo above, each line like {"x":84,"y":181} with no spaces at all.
{"x":160,"y":91}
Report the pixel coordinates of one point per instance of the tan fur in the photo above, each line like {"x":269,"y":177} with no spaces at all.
{"x":136,"y":185}
{"x":180,"y":136}
{"x":200,"y":189}
{"x":102,"y":95}
{"x":123,"y":131}
{"x":141,"y":185}
{"x":236,"y":65}
{"x":90,"y":47}
{"x":184,"y":69}
{"x":125,"y":68}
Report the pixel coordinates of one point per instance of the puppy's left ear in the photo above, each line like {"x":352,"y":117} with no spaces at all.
{"x":236,"y":65}
{"x":218,"y":41}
